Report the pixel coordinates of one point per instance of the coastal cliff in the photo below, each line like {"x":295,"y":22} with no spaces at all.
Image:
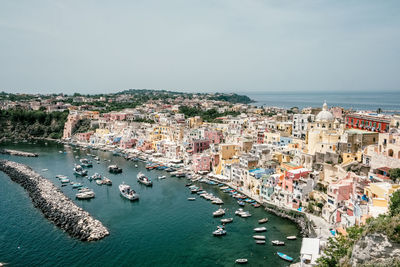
{"x":55,"y":206}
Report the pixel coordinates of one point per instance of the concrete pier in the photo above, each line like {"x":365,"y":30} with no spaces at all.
{"x":55,"y":206}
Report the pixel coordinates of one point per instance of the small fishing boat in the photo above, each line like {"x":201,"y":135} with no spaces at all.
{"x":218,"y":213}
{"x":78,"y":170}
{"x":241,"y":261}
{"x":260,"y":229}
{"x":277,"y":243}
{"x":256,"y":205}
{"x":241,"y":203}
{"x":127,"y":192}
{"x":144,"y":179}
{"x":136,"y":165}
{"x":45,"y":170}
{"x":194,"y":190}
{"x":85,"y":195}
{"x":86,"y":163}
{"x":96,"y":176}
{"x":245,"y":214}
{"x":259,"y":237}
{"x":219,"y":232}
{"x":217,"y":201}
{"x":107,"y":181}
{"x":191,"y":198}
{"x":114,"y":169}
{"x":64,"y":180}
{"x":239,"y":211}
{"x":284,"y":256}
{"x":99,"y":182}
{"x":260,"y":242}
{"x":292,"y":237}
{"x":227,"y":220}
{"x":263,"y":220}
{"x":76,"y":185}
{"x":189,"y":184}
{"x":162,"y":177}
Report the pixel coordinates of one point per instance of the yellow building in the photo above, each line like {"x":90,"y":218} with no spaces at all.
{"x":228,"y":151}
{"x":195,"y":122}
{"x":380,"y":193}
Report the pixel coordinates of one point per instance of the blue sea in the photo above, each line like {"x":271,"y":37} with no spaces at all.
{"x":387,"y":101}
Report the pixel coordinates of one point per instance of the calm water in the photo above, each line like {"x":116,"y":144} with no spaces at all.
{"x":161,"y":229}
{"x":356,"y":101}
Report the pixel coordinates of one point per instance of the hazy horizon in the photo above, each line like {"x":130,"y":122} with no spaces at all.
{"x":231,"y":46}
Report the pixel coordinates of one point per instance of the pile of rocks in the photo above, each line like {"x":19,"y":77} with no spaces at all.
{"x":55,"y":206}
{"x":17,"y":153}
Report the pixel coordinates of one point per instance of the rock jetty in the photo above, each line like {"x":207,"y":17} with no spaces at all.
{"x":17,"y":153}
{"x":55,"y":206}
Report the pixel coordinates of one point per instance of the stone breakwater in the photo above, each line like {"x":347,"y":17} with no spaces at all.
{"x":17,"y":153}
{"x":55,"y":206}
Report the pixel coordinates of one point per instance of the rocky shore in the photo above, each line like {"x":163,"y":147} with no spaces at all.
{"x":18,"y":153}
{"x":55,"y":206}
{"x":305,"y":225}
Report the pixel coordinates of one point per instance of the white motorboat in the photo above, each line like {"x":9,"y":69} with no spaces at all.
{"x":245,"y":214}
{"x":127,"y":192}
{"x":259,"y":237}
{"x":162,"y":177}
{"x":136,"y":165}
{"x":217,"y":201}
{"x":99,"y":182}
{"x":219,"y":212}
{"x":86,"y":163}
{"x":263,"y":220}
{"x":219,"y":232}
{"x":260,"y":229}
{"x":260,"y":242}
{"x":191,"y":198}
{"x":227,"y":220}
{"x":78,"y":170}
{"x":107,"y":181}
{"x":241,"y":261}
{"x":292,"y":237}
{"x":85,"y":195}
{"x":114,"y":169}
{"x":144,"y":179}
{"x":239,"y":211}
{"x":277,"y":243}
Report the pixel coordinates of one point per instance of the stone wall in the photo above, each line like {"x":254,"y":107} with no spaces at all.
{"x":55,"y":206}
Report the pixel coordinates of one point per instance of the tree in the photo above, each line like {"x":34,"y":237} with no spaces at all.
{"x":394,"y":206}
{"x":379,"y":110}
{"x":394,"y":174}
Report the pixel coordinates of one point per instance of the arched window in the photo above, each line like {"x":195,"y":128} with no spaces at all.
{"x":390,"y":153}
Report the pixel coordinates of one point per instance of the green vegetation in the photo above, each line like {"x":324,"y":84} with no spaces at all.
{"x":209,"y":115}
{"x":233,"y":98}
{"x":21,"y":124}
{"x":394,"y":174}
{"x":340,"y":247}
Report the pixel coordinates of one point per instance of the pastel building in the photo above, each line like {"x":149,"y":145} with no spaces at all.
{"x":201,"y":163}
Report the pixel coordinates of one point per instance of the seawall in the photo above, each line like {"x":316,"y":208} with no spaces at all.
{"x":17,"y":153}
{"x":55,"y":206}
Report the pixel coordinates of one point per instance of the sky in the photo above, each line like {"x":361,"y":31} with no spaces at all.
{"x":53,"y":46}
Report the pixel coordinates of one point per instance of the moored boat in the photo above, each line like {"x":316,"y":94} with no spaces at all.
{"x":259,"y":237}
{"x":127,"y":192}
{"x":260,"y":229}
{"x":284,"y":256}
{"x":191,"y":198}
{"x":86,"y":163}
{"x":277,"y":243}
{"x":78,"y":170}
{"x":241,"y":261}
{"x":85,"y":195}
{"x":260,"y":242}
{"x":263,"y":220}
{"x":219,"y":232}
{"x":114,"y":169}
{"x":219,"y":212}
{"x":292,"y":237}
{"x":227,"y":220}
{"x":144,"y":179}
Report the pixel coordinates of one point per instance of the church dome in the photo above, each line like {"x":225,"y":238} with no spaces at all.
{"x":325,"y":115}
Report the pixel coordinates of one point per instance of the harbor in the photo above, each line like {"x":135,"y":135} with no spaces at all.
{"x":162,"y":227}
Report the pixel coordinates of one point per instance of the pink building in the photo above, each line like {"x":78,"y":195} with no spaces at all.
{"x":201,"y":163}
{"x":124,"y":144}
{"x":199,"y":146}
{"x":292,"y":176}
{"x":83,"y":137}
{"x":215,"y":137}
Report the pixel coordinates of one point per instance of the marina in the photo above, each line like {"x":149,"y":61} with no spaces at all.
{"x":128,"y":220}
